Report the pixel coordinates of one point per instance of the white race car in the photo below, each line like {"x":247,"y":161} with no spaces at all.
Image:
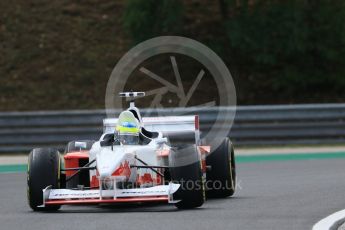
{"x":129,"y":163}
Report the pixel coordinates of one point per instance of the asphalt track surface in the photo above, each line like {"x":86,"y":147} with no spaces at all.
{"x":272,"y":195}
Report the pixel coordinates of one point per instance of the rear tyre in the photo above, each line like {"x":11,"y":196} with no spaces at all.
{"x":221,"y":180}
{"x":43,"y":170}
{"x":191,"y":193}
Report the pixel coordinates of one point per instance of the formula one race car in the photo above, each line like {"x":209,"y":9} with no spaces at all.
{"x":129,"y":163}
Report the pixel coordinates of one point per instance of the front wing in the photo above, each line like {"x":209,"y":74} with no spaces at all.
{"x":161,"y":193}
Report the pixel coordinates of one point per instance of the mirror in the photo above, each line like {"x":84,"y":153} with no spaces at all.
{"x":162,"y":140}
{"x":80,"y":145}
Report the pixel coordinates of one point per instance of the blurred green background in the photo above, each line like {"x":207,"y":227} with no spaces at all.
{"x":59,"y":54}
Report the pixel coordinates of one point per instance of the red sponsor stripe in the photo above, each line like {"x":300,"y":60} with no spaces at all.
{"x":118,"y":200}
{"x":204,"y":149}
{"x":123,"y":170}
{"x":163,"y":153}
{"x":94,"y":181}
{"x":77,"y":155}
{"x":196,"y":122}
{"x":72,"y":160}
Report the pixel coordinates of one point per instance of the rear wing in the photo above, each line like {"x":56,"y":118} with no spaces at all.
{"x":174,"y":127}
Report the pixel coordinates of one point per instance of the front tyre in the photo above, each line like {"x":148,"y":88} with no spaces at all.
{"x":43,"y":170}
{"x":192,"y":191}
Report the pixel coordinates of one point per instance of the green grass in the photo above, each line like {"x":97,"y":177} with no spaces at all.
{"x":13,"y":168}
{"x":289,"y":157}
{"x":239,"y":159}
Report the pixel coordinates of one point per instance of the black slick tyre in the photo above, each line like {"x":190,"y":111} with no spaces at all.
{"x":221,"y":179}
{"x":43,"y":170}
{"x":192,"y":191}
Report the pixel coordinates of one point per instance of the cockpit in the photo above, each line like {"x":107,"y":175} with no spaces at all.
{"x":128,"y":131}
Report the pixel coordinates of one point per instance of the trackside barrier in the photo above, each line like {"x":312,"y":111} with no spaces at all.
{"x":253,"y":125}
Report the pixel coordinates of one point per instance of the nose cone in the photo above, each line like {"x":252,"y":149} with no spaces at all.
{"x":108,"y":161}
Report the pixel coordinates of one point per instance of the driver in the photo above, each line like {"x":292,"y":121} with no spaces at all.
{"x":128,"y":128}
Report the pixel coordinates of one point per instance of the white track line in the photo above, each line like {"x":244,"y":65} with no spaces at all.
{"x":330,"y":221}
